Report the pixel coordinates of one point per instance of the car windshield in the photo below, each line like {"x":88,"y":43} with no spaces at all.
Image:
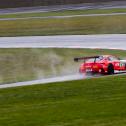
{"x":99,"y":59}
{"x":113,"y":58}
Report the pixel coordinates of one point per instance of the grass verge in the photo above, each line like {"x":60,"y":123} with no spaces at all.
{"x":65,"y":26}
{"x":90,"y":102}
{"x":28,"y":64}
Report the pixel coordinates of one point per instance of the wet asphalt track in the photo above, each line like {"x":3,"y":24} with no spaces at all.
{"x":85,"y":6}
{"x":45,"y":81}
{"x":55,"y":79}
{"x":101,"y":5}
{"x":107,"y":41}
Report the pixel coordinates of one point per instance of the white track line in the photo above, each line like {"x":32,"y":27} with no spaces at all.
{"x":52,"y":80}
{"x":44,"y":81}
{"x":56,"y":17}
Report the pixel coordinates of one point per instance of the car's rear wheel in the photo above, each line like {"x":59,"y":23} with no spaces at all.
{"x":110,"y":69}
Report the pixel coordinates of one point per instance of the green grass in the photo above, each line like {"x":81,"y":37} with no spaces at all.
{"x":28,"y":64}
{"x":64,"y":13}
{"x":66,"y":26}
{"x":91,"y":102}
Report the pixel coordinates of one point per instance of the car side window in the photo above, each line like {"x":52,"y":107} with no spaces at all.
{"x":112,"y":58}
{"x":99,"y":59}
{"x":109,"y":59}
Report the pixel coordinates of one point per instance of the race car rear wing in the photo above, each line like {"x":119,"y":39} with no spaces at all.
{"x":84,"y":58}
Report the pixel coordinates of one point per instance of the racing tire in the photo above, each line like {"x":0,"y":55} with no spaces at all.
{"x":110,"y":69}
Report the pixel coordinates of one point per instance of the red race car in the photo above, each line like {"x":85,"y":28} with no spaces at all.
{"x":103,"y":64}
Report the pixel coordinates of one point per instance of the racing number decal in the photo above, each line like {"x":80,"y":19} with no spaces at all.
{"x":122,"y":64}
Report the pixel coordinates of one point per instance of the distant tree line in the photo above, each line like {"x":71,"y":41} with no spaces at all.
{"x":25,"y":3}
